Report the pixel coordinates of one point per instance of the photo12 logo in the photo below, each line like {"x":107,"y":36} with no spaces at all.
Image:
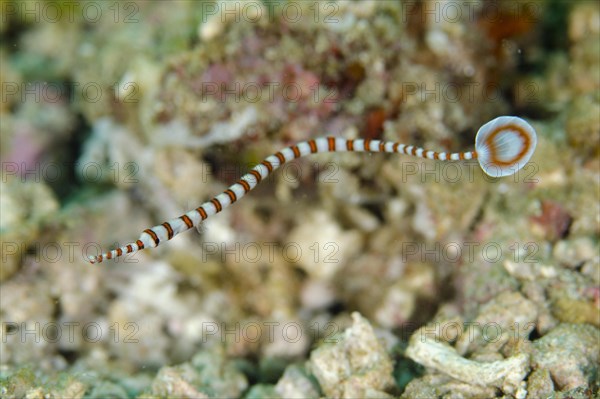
{"x":68,"y":332}
{"x":88,"y":172}
{"x":471,"y":10}
{"x":54,"y":12}
{"x":49,"y":92}
{"x":290,"y":12}
{"x":254,"y":252}
{"x":470,"y":251}
{"x":466,"y":92}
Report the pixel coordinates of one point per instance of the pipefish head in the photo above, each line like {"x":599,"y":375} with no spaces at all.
{"x":504,"y":145}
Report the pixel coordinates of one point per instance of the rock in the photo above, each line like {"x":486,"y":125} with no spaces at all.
{"x":178,"y":381}
{"x":322,"y":252}
{"x":108,"y":390}
{"x":262,"y":391}
{"x":356,"y":365}
{"x":209,"y":374}
{"x":505,"y":374}
{"x":437,"y":385}
{"x":570,"y":352}
{"x":539,"y":384}
{"x":218,"y":374}
{"x":295,"y":383}
{"x":507,"y":316}
{"x":569,"y":310}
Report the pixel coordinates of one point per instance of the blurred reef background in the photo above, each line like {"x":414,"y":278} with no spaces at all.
{"x":342,"y":275}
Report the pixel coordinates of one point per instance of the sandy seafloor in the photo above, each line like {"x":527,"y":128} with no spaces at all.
{"x":343,"y":274}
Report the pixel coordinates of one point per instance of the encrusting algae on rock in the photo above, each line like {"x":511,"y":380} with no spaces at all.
{"x":467,"y":286}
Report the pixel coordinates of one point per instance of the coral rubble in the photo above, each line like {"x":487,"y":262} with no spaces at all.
{"x":342,"y":274}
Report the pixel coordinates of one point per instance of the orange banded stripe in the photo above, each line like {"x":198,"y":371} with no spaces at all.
{"x":381,"y":146}
{"x":244,"y":184}
{"x":231,"y":195}
{"x":167,"y":226}
{"x":140,"y":244}
{"x":187,"y":221}
{"x":129,"y":248}
{"x":153,"y":235}
{"x":313,"y":146}
{"x":257,"y":175}
{"x":202,"y":212}
{"x":217,"y":204}
{"x":268,"y":165}
{"x":281,"y":158}
{"x":296,"y":151}
{"x":331,"y":143}
{"x":119,"y":252}
{"x":367,"y":144}
{"x":350,"y":145}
